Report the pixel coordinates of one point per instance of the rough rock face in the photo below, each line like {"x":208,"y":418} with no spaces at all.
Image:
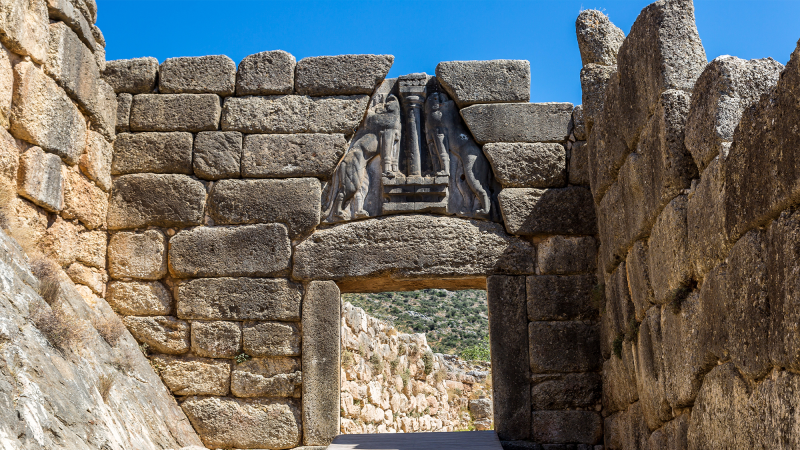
{"x":266,"y":73}
{"x":341,"y":75}
{"x":598,"y":39}
{"x":497,"y":81}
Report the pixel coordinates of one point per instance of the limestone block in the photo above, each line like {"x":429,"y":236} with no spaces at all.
{"x":217,"y":154}
{"x":626,"y":429}
{"x":9,"y":158}
{"x":294,"y":202}
{"x":271,"y":339}
{"x":41,"y":179}
{"x":132,"y":76}
{"x":496,"y":81}
{"x":152,"y":153}
{"x":254,"y":378}
{"x":95,"y":163}
{"x":70,"y":14}
{"x":765,"y":143}
{"x":292,"y":155}
{"x":266,"y":73}
{"x":572,"y":390}
{"x":561,"y":298}
{"x":528,"y":165}
{"x":216,"y":339}
{"x":253,"y":250}
{"x":528,"y":211}
{"x":24,"y":24}
{"x":579,"y":164}
{"x":595,"y":80}
{"x":72,"y":64}
{"x":662,"y":51}
{"x":92,"y":248}
{"x":392,"y":247}
{"x":719,"y":416}
{"x":175,"y":112}
{"x":228,"y":422}
{"x":321,"y":359}
{"x":6,"y":85}
{"x":561,"y":427}
{"x":519,"y":122}
{"x":89,"y":9}
{"x":294,"y":114}
{"x":638,"y":274}
{"x":579,"y":124}
{"x":215,"y":74}
{"x":564,"y":347}
{"x":124,"y":102}
{"x":138,"y":255}
{"x":44,"y":115}
{"x":565,"y":255}
{"x":781,"y":285}
{"x":724,"y":312}
{"x":705,"y":219}
{"x":105,"y":119}
{"x":668,"y":250}
{"x":619,"y":380}
{"x":139,"y":298}
{"x":778,"y":393}
{"x":341,"y":75}
{"x":61,"y":240}
{"x":509,"y":344}
{"x":726,"y":87}
{"x":94,"y":279}
{"x":650,"y":371}
{"x":618,"y":319}
{"x":163,"y":334}
{"x":84,"y":201}
{"x":607,"y":150}
{"x":598,"y":39}
{"x":164,"y":200}
{"x":239,"y":299}
{"x":193,"y":376}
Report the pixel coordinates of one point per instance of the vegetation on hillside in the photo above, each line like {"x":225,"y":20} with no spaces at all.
{"x":455,"y":322}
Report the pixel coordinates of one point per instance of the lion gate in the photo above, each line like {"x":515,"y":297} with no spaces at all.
{"x":245,"y":200}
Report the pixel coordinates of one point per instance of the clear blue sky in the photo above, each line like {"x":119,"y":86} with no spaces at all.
{"x":421,"y":33}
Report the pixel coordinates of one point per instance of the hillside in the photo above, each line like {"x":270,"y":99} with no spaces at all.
{"x":455,"y":322}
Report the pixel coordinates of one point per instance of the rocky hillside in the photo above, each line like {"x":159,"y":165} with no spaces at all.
{"x":454,"y":322}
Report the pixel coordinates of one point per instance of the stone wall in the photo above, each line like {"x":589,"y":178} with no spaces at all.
{"x":393,"y":383}
{"x":692,"y":168}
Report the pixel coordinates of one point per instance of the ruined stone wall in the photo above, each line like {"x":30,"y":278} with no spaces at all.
{"x":692,"y":168}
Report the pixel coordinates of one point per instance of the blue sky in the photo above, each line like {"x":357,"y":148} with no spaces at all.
{"x":421,"y":33}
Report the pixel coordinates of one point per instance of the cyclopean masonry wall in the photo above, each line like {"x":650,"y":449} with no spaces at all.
{"x":245,"y":200}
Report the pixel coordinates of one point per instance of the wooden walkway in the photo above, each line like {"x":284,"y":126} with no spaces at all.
{"x":459,"y":440}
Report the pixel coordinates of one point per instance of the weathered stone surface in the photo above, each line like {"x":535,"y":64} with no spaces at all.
{"x":705,"y":220}
{"x":607,"y":150}
{"x":598,"y":39}
{"x":271,"y":339}
{"x":726,"y":87}
{"x":579,"y":164}
{"x":638,"y":274}
{"x":579,"y":124}
{"x":626,"y":430}
{"x":572,"y":390}
{"x":668,"y":251}
{"x":528,"y":165}
{"x":95,"y":163}
{"x":561,"y":298}
{"x":94,"y":279}
{"x":72,"y":65}
{"x":104,"y":120}
{"x":562,"y":427}
{"x":84,"y":201}
{"x":152,"y":153}
{"x":519,"y":122}
{"x":783,"y":257}
{"x":266,"y":73}
{"x":239,"y":299}
{"x":69,"y":12}
{"x":292,"y":155}
{"x":175,"y":112}
{"x":295,"y":202}
{"x":139,"y":298}
{"x":341,"y":75}
{"x":194,"y":376}
{"x":163,"y":334}
{"x":165,"y":200}
{"x":528,"y":211}
{"x":560,"y":347}
{"x":41,"y":179}
{"x":124,"y":102}
{"x":253,"y":250}
{"x":6,"y":85}
{"x":566,"y":255}
{"x":138,"y":255}
{"x":293,"y":114}
{"x":618,"y":319}
{"x":719,"y":416}
{"x":651,"y":375}
{"x":44,"y":115}
{"x":267,"y":377}
{"x":662,"y":51}
{"x":595,"y":80}
{"x":619,"y":380}
{"x":132,"y":76}
{"x":672,"y":435}
{"x":24,"y":24}
{"x":321,"y":360}
{"x":215,"y":74}
{"x":509,"y":343}
{"x":9,"y":159}
{"x":229,"y":422}
{"x":217,"y":154}
{"x":411,"y":246}
{"x":496,"y":81}
{"x":216,"y":339}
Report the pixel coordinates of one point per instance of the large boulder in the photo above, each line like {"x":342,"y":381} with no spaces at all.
{"x":598,"y":39}
{"x":341,"y":75}
{"x":497,"y":81}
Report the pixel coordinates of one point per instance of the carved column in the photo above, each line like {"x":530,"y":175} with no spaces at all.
{"x":412,"y":92}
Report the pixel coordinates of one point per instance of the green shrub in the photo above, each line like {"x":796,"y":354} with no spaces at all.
{"x":477,"y":352}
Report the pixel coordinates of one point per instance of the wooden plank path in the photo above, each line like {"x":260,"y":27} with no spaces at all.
{"x":457,"y":440}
